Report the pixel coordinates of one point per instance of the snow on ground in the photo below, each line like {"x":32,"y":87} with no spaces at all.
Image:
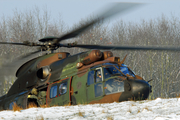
{"x":159,"y":109}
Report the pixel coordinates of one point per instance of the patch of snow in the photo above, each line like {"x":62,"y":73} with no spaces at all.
{"x":158,"y":109}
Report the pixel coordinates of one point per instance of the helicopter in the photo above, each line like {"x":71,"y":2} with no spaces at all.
{"x":88,"y":77}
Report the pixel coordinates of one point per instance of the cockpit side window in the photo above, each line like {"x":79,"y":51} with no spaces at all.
{"x":98,"y":75}
{"x":98,"y":89}
{"x":95,"y":82}
{"x":90,"y":77}
{"x":94,"y":76}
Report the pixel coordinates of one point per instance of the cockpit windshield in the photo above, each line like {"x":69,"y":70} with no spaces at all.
{"x":114,"y":70}
{"x":126,"y":70}
{"x":110,"y":71}
{"x":113,"y":86}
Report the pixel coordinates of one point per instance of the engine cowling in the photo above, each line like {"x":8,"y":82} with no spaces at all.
{"x":92,"y":57}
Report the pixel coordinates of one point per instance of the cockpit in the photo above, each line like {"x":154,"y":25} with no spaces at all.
{"x":105,"y":78}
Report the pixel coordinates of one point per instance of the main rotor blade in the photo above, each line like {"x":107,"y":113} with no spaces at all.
{"x":12,"y":43}
{"x":113,"y":10}
{"x":121,"y":47}
{"x":10,"y":68}
{"x":26,"y":43}
{"x":29,"y":54}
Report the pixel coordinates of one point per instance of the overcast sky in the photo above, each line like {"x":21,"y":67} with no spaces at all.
{"x":73,"y":11}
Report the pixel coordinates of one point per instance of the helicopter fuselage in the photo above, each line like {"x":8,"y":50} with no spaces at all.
{"x":88,"y":77}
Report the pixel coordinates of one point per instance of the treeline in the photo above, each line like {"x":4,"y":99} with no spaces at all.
{"x":161,"y":66}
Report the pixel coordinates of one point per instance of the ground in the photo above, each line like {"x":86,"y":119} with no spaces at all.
{"x":158,"y":109}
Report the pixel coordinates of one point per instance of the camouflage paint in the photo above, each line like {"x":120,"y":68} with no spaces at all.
{"x":107,"y":98}
{"x":63,"y":68}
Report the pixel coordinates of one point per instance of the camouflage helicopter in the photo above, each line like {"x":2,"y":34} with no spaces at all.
{"x":88,"y":77}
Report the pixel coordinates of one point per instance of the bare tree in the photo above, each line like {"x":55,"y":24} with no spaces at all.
{"x":163,"y":67}
{"x":30,"y":25}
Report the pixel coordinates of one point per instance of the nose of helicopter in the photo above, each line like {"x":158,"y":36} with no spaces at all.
{"x":140,"y":89}
{"x":136,"y":90}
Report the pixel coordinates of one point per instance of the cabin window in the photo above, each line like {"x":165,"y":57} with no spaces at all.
{"x":98,"y":75}
{"x":113,"y":86}
{"x":90,"y":78}
{"x":53,"y":91}
{"x":98,"y":89}
{"x":63,"y":88}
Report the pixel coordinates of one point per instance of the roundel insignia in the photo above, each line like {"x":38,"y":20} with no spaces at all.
{"x":79,"y":84}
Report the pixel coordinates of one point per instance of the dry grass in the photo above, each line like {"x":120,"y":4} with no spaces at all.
{"x":43,"y":106}
{"x":129,"y":110}
{"x":139,"y":110}
{"x":103,"y":111}
{"x":133,"y":104}
{"x":68,"y":104}
{"x":110,"y":118}
{"x":82,"y":103}
{"x":131,"y":99}
{"x":40,"y":117}
{"x":32,"y":105}
{"x":16,"y":107}
{"x":146,"y":108}
{"x":81,"y":113}
{"x":177,"y":95}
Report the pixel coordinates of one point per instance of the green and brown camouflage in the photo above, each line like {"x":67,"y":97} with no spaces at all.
{"x":84,"y":78}
{"x":62,"y":79}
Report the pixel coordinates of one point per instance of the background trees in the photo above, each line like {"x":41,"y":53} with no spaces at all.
{"x":163,"y":67}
